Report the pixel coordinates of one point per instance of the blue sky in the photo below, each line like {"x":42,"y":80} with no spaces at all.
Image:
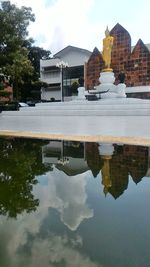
{"x":82,"y":22}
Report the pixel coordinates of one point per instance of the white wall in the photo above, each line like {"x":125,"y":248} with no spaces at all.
{"x":51,"y":77}
{"x":75,"y":58}
{"x":47,"y":95}
{"x":72,"y":57}
{"x":48,"y":62}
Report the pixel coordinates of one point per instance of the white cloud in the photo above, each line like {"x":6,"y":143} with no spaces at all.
{"x":65,"y":194}
{"x":41,"y":251}
{"x":68,"y":196}
{"x":82,"y":22}
{"x":63,"y":23}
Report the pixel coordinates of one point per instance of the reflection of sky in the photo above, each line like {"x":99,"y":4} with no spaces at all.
{"x":25,"y":237}
{"x":43,"y":180}
{"x":67,"y":195}
{"x":87,"y":229}
{"x":120,"y":228}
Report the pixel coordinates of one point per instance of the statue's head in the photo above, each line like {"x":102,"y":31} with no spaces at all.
{"x":107,"y":32}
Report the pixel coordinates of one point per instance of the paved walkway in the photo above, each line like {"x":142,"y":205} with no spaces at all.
{"x":113,"y":129}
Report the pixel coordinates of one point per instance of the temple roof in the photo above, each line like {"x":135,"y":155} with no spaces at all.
{"x":69,"y":48}
{"x":119,"y":28}
{"x":141,"y":46}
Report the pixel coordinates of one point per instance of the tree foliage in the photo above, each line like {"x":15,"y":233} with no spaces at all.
{"x":14,"y":22}
{"x":19,"y":69}
{"x":35,"y":54}
{"x":74,"y":87}
{"x":18,"y":57}
{"x":20,"y":163}
{"x":31,"y":88}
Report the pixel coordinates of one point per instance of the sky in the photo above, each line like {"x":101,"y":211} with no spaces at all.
{"x":82,"y":23}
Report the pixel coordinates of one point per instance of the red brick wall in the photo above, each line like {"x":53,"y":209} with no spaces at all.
{"x":138,"y":66}
{"x":8,"y":98}
{"x":135,"y":64}
{"x":94,"y":66}
{"x":121,"y":48}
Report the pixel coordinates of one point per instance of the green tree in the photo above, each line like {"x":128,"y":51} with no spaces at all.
{"x":20,"y":163}
{"x":31,"y":88}
{"x":13,"y":34}
{"x":35,"y":54}
{"x":74,"y":88}
{"x":14,"y":22}
{"x":19,"y":69}
{"x":18,"y":57}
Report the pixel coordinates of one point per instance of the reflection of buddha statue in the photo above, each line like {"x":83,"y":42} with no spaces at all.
{"x":107,"y":48}
{"x":106,"y":181}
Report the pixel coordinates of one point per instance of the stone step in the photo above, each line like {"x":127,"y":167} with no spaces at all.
{"x":118,"y":101}
{"x":88,"y":107}
{"x":79,"y":112}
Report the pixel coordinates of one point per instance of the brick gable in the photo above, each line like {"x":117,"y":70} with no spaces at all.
{"x":135,"y":64}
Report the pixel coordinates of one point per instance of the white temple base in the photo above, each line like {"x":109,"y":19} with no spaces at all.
{"x":103,"y":107}
{"x":107,"y":80}
{"x":115,"y":119}
{"x":112,"y":96}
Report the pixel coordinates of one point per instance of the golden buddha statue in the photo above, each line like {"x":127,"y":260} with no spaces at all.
{"x":107,"y":48}
{"x":106,"y":180}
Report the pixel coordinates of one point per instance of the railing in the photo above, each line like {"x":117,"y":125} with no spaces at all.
{"x":93,"y":95}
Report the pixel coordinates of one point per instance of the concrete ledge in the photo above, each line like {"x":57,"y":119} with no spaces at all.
{"x":79,"y":112}
{"x":128,"y":129}
{"x":138,"y":89}
{"x":85,"y":138}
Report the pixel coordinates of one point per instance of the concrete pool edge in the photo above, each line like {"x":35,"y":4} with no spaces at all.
{"x":83,"y":138}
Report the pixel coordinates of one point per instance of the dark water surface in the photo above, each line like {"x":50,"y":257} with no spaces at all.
{"x":73,"y":204}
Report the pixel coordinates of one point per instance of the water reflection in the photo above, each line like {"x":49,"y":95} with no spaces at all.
{"x":116,"y":163}
{"x":119,"y":164}
{"x":20,"y":162}
{"x":68,"y":203}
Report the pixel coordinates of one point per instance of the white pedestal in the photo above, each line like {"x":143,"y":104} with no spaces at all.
{"x":81,"y":93}
{"x":107,"y":80}
{"x":121,"y":90}
{"x":106,"y":149}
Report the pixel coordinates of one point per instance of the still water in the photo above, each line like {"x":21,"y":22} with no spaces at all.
{"x":74,"y":204}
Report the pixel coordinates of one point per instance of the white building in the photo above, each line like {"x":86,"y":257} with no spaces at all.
{"x":65,"y":156}
{"x":76,"y":59}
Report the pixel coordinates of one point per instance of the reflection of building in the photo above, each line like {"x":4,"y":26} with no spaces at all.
{"x":93,"y":159}
{"x":56,"y":152}
{"x":76,"y":58}
{"x":121,"y":163}
{"x":106,"y":178}
{"x":126,"y":160}
{"x":148,"y":171}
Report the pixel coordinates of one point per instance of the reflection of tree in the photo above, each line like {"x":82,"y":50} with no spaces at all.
{"x":20,"y":162}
